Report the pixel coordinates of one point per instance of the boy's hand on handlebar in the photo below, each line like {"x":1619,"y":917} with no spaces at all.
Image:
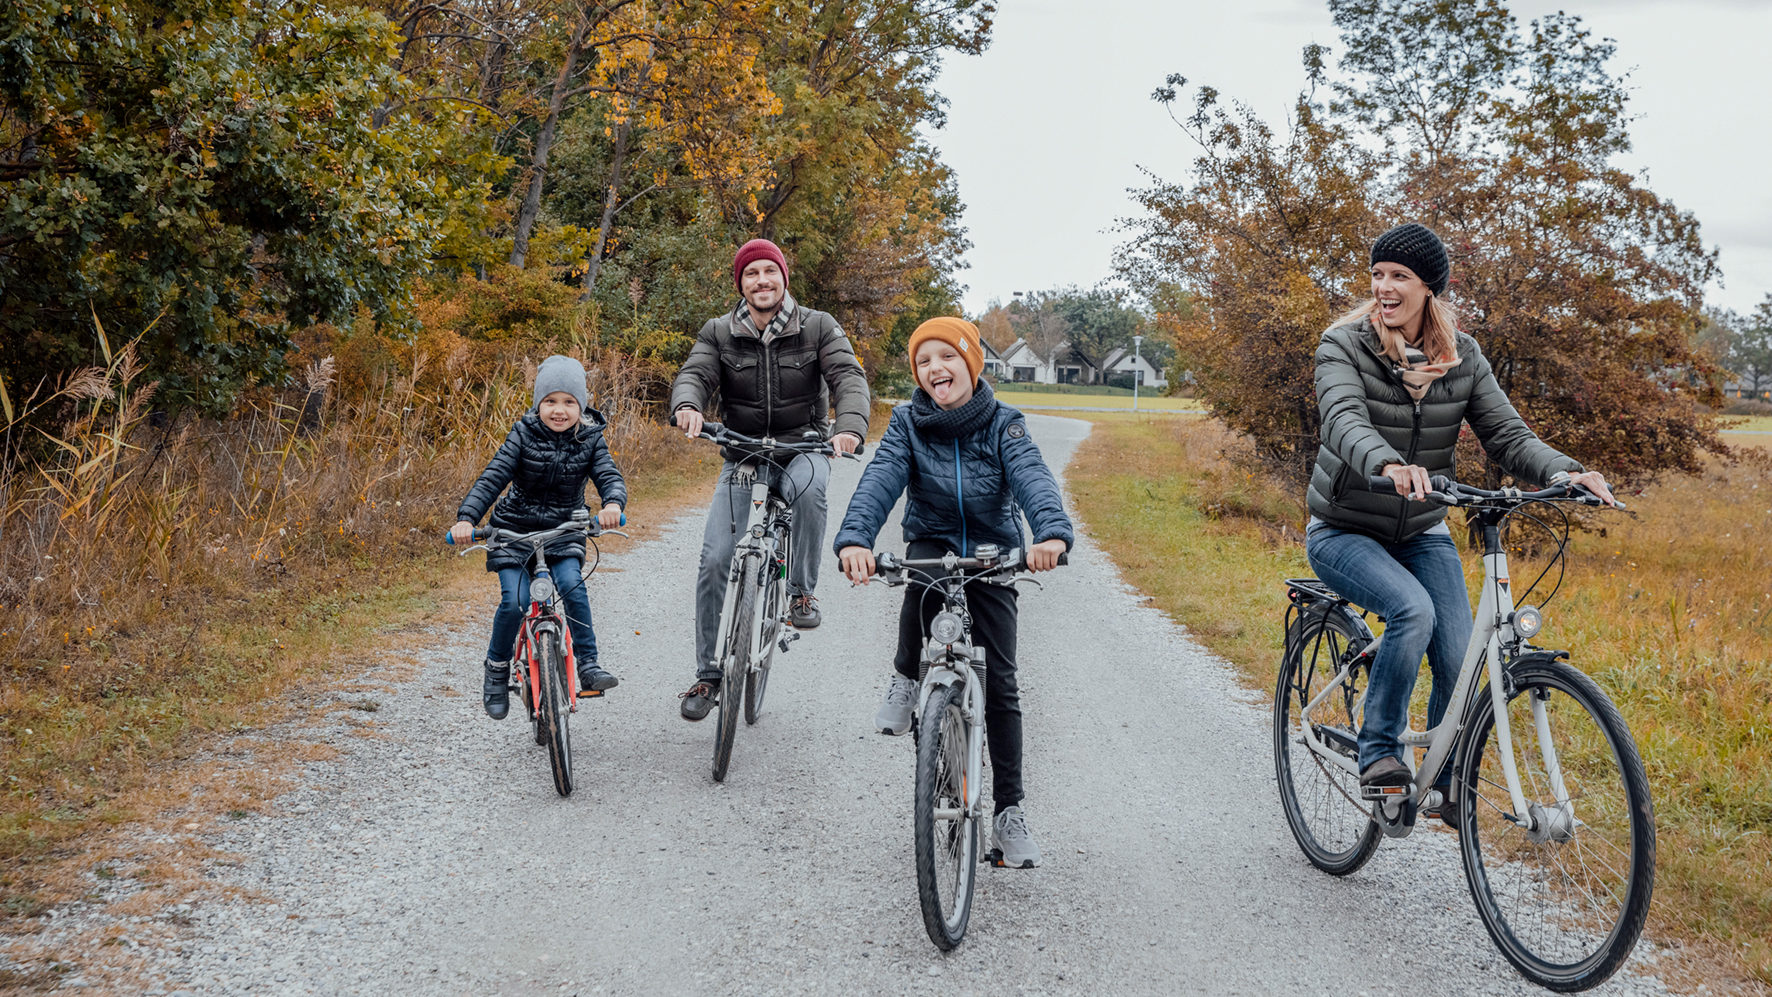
{"x":689,"y":421}
{"x":1411,"y":480}
{"x":845,"y":442}
{"x":858,"y":562}
{"x":1594,"y":482}
{"x":462,"y":533}
{"x":1043,"y":556}
{"x":610,"y":517}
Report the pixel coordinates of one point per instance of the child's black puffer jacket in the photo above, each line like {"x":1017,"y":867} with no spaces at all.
{"x":546,"y":472}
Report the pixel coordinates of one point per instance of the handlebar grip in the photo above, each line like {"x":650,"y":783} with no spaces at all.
{"x":1064,"y":558}
{"x":1380,"y":483}
{"x":480,"y":533}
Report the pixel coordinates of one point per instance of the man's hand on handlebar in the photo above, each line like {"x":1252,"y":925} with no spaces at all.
{"x":462,"y":533}
{"x":1043,"y":556}
{"x":858,"y":562}
{"x":689,"y":421}
{"x":1594,"y":482}
{"x":1411,"y":480}
{"x":845,"y":442}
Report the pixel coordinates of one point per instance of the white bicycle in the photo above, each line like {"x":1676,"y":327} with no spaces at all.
{"x":1548,"y":794}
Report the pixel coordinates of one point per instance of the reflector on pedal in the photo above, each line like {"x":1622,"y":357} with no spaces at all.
{"x":1383,"y":792}
{"x":590,"y":694}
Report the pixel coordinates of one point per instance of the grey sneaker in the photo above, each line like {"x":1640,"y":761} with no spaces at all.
{"x":803,"y":612}
{"x":1014,"y":843}
{"x":894,"y":715}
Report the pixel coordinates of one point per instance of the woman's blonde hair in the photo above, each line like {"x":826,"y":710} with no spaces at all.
{"x":1439,"y":325}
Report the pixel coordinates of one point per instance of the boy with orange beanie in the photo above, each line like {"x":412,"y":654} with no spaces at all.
{"x":972,"y":472}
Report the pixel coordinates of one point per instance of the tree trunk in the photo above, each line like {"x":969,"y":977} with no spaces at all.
{"x":609,"y":204}
{"x":544,"y":141}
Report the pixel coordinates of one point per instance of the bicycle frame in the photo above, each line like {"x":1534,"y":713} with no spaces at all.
{"x":959,"y":664}
{"x":1494,"y":642}
{"x":770,"y":545}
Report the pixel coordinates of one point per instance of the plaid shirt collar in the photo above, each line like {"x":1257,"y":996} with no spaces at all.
{"x":776,"y":325}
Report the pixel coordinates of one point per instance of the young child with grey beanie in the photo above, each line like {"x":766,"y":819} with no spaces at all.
{"x":545,"y":462}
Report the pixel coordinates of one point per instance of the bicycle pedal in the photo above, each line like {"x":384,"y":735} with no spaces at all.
{"x":590,"y":694}
{"x":1385,"y":792}
{"x":994,"y":857}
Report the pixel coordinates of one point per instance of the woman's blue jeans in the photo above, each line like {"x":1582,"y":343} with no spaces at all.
{"x":1418,"y":587}
{"x":569,"y":582}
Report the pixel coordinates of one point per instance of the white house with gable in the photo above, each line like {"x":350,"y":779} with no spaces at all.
{"x":1066,"y":364}
{"x":1121,"y":361}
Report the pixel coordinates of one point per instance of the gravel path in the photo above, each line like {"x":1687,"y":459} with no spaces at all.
{"x":438,"y":860}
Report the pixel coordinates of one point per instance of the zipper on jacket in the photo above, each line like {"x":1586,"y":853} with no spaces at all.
{"x":768,"y":396}
{"x":1414,"y":445}
{"x":960,"y":496}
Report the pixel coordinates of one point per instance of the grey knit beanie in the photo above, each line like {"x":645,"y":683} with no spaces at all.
{"x":558,"y":373}
{"x":1417,"y":247}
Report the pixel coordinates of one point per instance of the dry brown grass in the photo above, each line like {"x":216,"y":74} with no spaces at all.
{"x":162,"y":583}
{"x":1670,"y":609}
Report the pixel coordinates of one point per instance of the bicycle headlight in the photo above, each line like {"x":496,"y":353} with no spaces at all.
{"x":946,"y":628}
{"x":541,"y":588}
{"x":1528,"y":621}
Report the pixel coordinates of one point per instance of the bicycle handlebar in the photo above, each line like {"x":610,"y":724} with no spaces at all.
{"x":499,"y":537}
{"x":886,"y":561}
{"x":718,"y":433}
{"x":1451,"y":493}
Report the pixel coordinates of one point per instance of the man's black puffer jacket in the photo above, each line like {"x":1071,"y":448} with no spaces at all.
{"x":1370,"y":421}
{"x":961,"y":492}
{"x":546,"y":472}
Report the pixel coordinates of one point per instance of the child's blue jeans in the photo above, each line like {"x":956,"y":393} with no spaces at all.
{"x":569,"y":582}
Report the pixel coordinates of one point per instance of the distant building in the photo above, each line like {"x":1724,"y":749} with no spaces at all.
{"x":1121,"y":361}
{"x":1066,"y":364}
{"x":993,"y":362}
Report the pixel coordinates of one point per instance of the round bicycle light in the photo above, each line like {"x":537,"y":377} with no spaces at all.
{"x":541,"y":588}
{"x":946,"y":628}
{"x":1528,"y":621}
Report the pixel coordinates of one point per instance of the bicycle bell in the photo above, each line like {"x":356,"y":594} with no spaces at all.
{"x":988,"y":552}
{"x":946,"y":628}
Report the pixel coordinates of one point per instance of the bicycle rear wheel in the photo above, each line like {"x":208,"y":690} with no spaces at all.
{"x":1321,"y":800}
{"x":554,"y":711}
{"x":1564,"y":903}
{"x":947,"y":836}
{"x":736,"y":666}
{"x":756,"y":679}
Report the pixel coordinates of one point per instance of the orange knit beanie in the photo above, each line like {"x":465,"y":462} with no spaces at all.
{"x":956,"y":332}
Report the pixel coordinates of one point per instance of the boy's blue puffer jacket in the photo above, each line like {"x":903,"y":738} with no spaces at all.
{"x":962,"y":492}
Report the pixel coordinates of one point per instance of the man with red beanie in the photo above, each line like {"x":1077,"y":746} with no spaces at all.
{"x":777,"y":367}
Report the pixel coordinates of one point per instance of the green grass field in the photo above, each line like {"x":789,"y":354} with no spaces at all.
{"x":1059,"y":402}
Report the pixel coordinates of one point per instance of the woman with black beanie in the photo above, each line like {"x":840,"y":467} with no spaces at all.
{"x":1395,"y":381}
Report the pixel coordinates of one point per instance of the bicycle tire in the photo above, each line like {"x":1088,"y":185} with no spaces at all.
{"x":737,"y":666}
{"x":1335,"y":831}
{"x":756,"y":680}
{"x":554,"y":711}
{"x":947,"y":850}
{"x":1566,"y":913}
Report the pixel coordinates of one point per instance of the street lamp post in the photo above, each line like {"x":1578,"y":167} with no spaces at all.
{"x":1136,"y":376}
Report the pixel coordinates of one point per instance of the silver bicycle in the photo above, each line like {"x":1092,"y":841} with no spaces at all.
{"x":754,"y":616}
{"x":1547,"y":792}
{"x":949,"y":728}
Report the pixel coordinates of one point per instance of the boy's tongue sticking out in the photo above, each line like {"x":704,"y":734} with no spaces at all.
{"x":947,"y":359}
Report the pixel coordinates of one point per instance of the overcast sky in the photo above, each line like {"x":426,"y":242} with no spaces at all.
{"x":1050,"y":126}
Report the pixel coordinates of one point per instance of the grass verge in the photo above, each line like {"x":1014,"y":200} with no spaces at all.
{"x":1670,"y":609}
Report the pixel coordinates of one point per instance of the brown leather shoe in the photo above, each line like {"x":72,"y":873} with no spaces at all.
{"x":1388,"y":771}
{"x":803,"y":612}
{"x":699,"y":700}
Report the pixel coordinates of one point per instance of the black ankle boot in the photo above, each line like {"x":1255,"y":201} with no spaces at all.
{"x":496,"y":694}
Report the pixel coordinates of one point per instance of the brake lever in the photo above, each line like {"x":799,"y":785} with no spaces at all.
{"x":1018,"y":579}
{"x":470,"y":550}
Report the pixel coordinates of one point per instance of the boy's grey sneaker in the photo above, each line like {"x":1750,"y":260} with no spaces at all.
{"x":803,"y":612}
{"x":1013,"y":843}
{"x":894,"y":715}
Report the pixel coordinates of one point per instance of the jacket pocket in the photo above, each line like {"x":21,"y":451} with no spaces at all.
{"x":797,"y":375}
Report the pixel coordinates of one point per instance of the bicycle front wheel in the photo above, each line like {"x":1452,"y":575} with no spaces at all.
{"x":947,"y":835}
{"x":736,"y":666}
{"x":1565,"y":900}
{"x":756,"y":678}
{"x":1320,"y":799}
{"x":555,"y":708}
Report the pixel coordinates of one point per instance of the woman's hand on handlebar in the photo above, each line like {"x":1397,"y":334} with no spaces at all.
{"x":1411,"y":480}
{"x":845,"y":442}
{"x":462,"y":533}
{"x":1594,"y":482}
{"x":858,"y":562}
{"x":1043,"y":556}
{"x":689,"y":421}
{"x":610,"y":517}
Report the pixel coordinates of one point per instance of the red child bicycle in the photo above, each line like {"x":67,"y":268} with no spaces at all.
{"x":544,"y":673}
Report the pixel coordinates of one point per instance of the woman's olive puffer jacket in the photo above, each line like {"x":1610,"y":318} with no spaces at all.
{"x":546,"y":472}
{"x":1369,"y":421}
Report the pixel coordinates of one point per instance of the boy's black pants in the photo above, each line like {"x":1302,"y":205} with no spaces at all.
{"x":993,"y":628}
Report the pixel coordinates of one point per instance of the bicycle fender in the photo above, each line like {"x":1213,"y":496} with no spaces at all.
{"x":1525,"y":662}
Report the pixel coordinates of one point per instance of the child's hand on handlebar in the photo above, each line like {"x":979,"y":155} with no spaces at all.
{"x":462,"y":533}
{"x":610,"y":517}
{"x":689,"y":421}
{"x":1043,"y":556}
{"x":858,"y":562}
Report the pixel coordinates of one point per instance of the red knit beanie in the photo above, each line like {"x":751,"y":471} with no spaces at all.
{"x":751,"y":252}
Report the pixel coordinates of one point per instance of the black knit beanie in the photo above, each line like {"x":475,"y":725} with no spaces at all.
{"x":1417,"y":247}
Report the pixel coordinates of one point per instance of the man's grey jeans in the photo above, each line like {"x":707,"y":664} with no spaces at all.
{"x":802,"y":482}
